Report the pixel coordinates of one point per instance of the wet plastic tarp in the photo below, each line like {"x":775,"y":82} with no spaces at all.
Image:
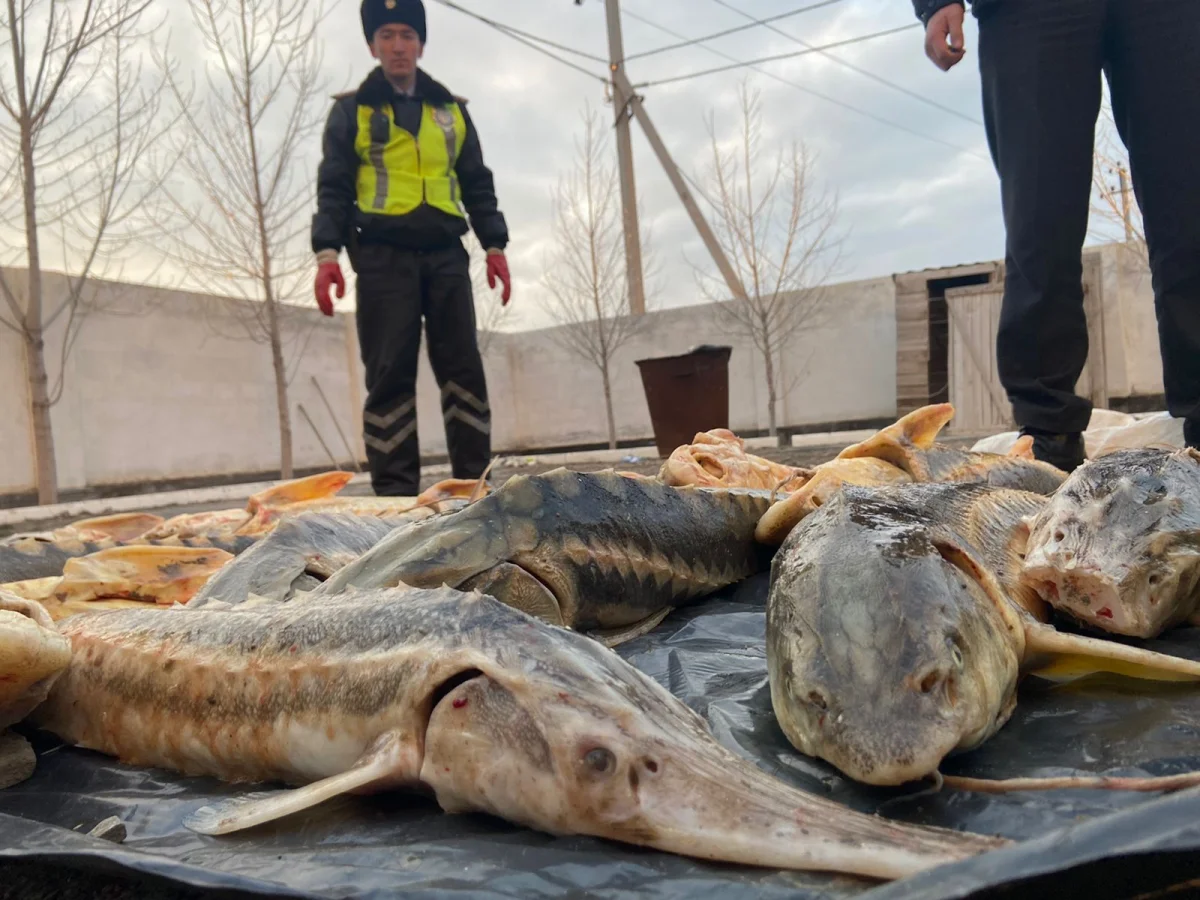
{"x":1091,"y":843}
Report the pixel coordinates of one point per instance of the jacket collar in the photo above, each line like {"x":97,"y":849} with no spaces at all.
{"x":376,"y":90}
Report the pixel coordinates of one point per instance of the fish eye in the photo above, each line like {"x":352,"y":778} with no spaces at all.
{"x":600,"y":760}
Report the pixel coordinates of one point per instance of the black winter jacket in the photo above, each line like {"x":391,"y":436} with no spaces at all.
{"x":926,"y":8}
{"x":425,"y":228}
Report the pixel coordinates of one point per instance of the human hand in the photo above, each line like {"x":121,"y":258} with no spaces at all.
{"x":944,"y":42}
{"x":497,"y":268}
{"x":328,"y":275}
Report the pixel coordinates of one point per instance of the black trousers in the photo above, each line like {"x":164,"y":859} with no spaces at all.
{"x":396,"y":289}
{"x":1040,"y":65}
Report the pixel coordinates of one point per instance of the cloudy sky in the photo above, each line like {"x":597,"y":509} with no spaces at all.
{"x":912,"y":173}
{"x":907,"y":201}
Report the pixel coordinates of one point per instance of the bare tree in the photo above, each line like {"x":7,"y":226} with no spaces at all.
{"x":77,"y":122}
{"x":1115,"y":209}
{"x":249,"y":188}
{"x":587,"y":292}
{"x":777,"y":230}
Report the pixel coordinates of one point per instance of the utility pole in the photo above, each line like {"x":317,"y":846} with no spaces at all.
{"x":1125,"y":210}
{"x":689,"y":203}
{"x":621,"y":102}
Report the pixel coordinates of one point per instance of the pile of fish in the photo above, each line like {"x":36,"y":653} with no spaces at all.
{"x":460,"y":641}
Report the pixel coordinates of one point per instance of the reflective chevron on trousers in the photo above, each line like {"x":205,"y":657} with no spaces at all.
{"x":452,"y":389}
{"x":388,"y":446}
{"x":390,"y":419}
{"x":466,"y":418}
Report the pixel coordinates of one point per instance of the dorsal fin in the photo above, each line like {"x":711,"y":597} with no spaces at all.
{"x":916,"y":431}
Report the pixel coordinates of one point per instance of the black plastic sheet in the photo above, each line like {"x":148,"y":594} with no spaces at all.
{"x":1114,"y":844}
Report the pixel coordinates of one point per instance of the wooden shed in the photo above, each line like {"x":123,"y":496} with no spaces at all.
{"x":946,"y":326}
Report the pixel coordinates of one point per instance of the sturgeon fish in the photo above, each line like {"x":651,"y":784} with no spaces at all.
{"x":32,"y":656}
{"x":908,"y":452}
{"x":602,"y":553}
{"x":898,"y":628}
{"x":26,"y":558}
{"x":491,"y":709}
{"x":1118,"y":547}
{"x":301,"y":552}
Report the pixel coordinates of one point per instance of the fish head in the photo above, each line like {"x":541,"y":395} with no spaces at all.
{"x":575,"y":741}
{"x":885,"y":643}
{"x":1118,"y":547}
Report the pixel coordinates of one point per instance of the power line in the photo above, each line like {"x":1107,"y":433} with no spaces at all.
{"x":781,"y":56}
{"x":532,"y":41}
{"x":804,"y":88}
{"x":849,"y":65}
{"x":754,"y":23}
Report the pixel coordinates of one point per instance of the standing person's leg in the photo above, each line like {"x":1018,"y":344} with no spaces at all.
{"x":1154,"y":77}
{"x":1040,"y":65}
{"x":389,"y":338}
{"x":457,"y":365}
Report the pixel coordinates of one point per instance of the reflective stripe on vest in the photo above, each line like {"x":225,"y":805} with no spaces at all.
{"x":397,"y":173}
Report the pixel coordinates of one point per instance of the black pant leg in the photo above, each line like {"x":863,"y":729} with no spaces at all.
{"x":456,"y":362}
{"x":1040,"y":65}
{"x":389,"y":339}
{"x":1154,"y":78}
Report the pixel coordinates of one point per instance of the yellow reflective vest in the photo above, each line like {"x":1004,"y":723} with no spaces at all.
{"x":397,"y":172}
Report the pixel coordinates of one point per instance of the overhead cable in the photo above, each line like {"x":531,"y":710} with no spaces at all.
{"x":533,"y":41}
{"x":849,"y":65}
{"x":807,"y":90}
{"x":780,"y":56}
{"x":754,"y":23}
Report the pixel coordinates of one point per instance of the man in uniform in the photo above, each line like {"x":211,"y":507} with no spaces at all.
{"x":1040,"y":63}
{"x":402,"y":168}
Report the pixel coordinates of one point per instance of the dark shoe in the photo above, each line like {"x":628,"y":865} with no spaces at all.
{"x":1191,"y":433}
{"x":1064,"y":451}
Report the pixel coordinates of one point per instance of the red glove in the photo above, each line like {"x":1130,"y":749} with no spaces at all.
{"x":328,"y":274}
{"x":497,"y":267}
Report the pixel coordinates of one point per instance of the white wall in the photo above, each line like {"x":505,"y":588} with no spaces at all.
{"x":1134,"y":363}
{"x":160,"y":385}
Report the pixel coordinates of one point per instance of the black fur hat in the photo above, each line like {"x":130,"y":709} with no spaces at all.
{"x":377,"y":13}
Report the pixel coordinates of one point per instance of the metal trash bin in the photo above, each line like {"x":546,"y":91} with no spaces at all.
{"x":686,"y":394}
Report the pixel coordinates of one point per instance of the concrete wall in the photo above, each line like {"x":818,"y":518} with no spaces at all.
{"x":164,"y":385}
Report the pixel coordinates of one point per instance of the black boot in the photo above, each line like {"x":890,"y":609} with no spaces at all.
{"x":1065,"y":451}
{"x":1191,"y":433}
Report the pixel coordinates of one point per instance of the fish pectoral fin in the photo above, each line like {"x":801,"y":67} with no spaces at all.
{"x":612,"y":637}
{"x":391,"y":761}
{"x":1056,"y":656}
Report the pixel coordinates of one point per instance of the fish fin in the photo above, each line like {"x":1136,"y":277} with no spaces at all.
{"x":325,"y":484}
{"x":612,"y":637}
{"x":1056,"y":656}
{"x":515,"y":587}
{"x":390,"y":761}
{"x":916,"y":431}
{"x":1023,"y":448}
{"x":825,"y":481}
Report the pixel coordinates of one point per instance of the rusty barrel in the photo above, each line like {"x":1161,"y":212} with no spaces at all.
{"x":686,"y":394}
